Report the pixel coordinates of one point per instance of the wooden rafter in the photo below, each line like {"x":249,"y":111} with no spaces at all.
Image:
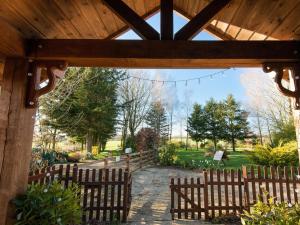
{"x":196,"y":24}
{"x":165,"y":54}
{"x":134,"y":21}
{"x":166,"y":21}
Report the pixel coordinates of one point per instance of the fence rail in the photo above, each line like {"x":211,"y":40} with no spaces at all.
{"x":105,"y":194}
{"x":132,"y":161}
{"x":219,"y":192}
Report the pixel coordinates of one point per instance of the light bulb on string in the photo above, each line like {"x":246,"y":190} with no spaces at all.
{"x":186,"y":83}
{"x":199,"y":81}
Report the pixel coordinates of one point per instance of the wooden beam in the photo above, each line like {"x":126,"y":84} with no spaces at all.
{"x":12,"y":43}
{"x":196,"y":24}
{"x":16,"y":132}
{"x":165,"y":54}
{"x":166,"y":19}
{"x":134,"y":21}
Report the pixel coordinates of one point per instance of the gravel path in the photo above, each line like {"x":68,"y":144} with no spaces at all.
{"x":151,"y":196}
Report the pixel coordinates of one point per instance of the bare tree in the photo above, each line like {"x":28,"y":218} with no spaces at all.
{"x":270,"y":108}
{"x":135,"y":98}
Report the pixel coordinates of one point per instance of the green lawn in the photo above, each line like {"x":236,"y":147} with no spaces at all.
{"x":236,"y":159}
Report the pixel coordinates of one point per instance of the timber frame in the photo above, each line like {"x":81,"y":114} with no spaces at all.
{"x":53,"y":71}
{"x":39,"y":39}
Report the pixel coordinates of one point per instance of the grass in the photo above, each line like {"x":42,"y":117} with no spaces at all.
{"x":236,"y":159}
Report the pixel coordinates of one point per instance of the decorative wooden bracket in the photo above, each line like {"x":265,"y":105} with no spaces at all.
{"x":279,"y":69}
{"x":38,"y":72}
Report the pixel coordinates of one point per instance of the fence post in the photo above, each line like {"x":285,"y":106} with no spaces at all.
{"x":172,"y":197}
{"x":128,"y":162}
{"x":105,"y":162}
{"x":141,"y":158}
{"x":125,"y":197}
{"x":205,"y":195}
{"x":246,"y":188}
{"x":74,"y":174}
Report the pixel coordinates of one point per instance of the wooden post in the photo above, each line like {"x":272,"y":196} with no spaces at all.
{"x":16,"y":132}
{"x":296,"y":113}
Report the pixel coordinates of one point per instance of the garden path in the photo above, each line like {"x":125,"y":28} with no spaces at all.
{"x":151,"y":197}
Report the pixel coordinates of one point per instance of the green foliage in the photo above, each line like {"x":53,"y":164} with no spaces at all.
{"x":130,"y":142}
{"x":197,"y":124}
{"x":167,"y":154}
{"x":197,"y":164}
{"x":215,"y":121}
{"x":48,"y":205}
{"x":273,"y":213}
{"x":286,"y":155}
{"x":284,"y":132}
{"x":157,"y":120}
{"x":74,"y":157}
{"x":236,"y":125}
{"x":86,"y":108}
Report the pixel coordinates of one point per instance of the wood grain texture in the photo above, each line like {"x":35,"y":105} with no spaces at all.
{"x":16,"y":134}
{"x":172,"y":54}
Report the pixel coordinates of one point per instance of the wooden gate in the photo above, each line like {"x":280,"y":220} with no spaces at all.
{"x":218,"y":192}
{"x":105,"y":194}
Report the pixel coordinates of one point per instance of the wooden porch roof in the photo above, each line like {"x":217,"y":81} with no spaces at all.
{"x":91,"y":19}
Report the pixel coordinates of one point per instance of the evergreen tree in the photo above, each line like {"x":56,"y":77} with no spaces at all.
{"x":215,"y":121}
{"x":90,"y":109}
{"x":157,"y":120}
{"x":197,"y":124}
{"x":236,"y":121}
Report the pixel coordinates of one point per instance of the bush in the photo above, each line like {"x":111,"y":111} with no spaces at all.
{"x":286,"y":155}
{"x":48,"y":205}
{"x":146,"y":139}
{"x":167,"y":155}
{"x":272,"y":213}
{"x":74,"y":157}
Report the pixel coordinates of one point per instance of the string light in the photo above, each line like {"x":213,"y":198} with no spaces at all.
{"x":211,"y":76}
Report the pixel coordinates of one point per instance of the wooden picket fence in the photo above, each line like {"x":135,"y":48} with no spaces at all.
{"x":132,"y":161}
{"x":219,"y":192}
{"x":105,"y":194}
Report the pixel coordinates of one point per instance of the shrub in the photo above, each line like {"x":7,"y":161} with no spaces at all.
{"x":130,"y":143}
{"x":48,"y":205}
{"x":74,"y":157}
{"x":286,"y":155}
{"x":146,"y":139}
{"x":272,"y":213}
{"x":167,"y":154}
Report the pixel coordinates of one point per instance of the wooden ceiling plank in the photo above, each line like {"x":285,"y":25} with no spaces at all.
{"x":54,"y":14}
{"x":11,"y":16}
{"x":12,"y":43}
{"x":139,"y":25}
{"x":107,"y":16}
{"x":166,"y":20}
{"x":90,"y":14}
{"x":268,"y":22}
{"x":289,"y":28}
{"x":76,"y":18}
{"x":37,"y":18}
{"x":196,"y":24}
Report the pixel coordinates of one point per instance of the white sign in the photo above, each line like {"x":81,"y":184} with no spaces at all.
{"x":128,"y":150}
{"x":218,"y":155}
{"x":118,"y":158}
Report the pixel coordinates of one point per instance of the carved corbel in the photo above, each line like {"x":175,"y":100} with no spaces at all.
{"x":38,"y":72}
{"x":279,"y":69}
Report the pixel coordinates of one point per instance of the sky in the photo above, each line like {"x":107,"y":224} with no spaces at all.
{"x":217,"y":87}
